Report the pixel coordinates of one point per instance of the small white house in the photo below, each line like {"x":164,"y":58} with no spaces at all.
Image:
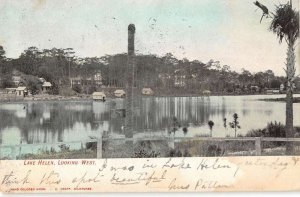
{"x":46,"y":86}
{"x":10,"y":90}
{"x":147,"y":91}
{"x":100,"y":96}
{"x":206,"y":92}
{"x":21,"y":91}
{"x":120,"y":93}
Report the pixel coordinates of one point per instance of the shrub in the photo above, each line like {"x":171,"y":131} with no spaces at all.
{"x":144,"y":150}
{"x":214,"y":150}
{"x":77,"y":88}
{"x":275,"y":129}
{"x":256,"y":133}
{"x":54,"y":90}
{"x":177,"y":153}
{"x":91,"y":145}
{"x":272,"y":130}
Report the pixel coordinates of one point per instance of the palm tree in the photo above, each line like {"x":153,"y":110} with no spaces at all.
{"x":210,"y":125}
{"x":185,"y":130}
{"x":225,"y":123}
{"x":235,"y":123}
{"x":130,"y":83}
{"x":285,"y":24}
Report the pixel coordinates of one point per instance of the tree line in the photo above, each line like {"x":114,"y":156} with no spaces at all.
{"x":162,"y":73}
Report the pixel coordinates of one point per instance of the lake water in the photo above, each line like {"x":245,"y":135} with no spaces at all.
{"x":66,"y":121}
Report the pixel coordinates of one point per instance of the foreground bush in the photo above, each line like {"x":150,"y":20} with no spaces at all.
{"x":272,"y":130}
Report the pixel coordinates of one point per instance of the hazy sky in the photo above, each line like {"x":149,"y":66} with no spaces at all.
{"x":224,"y":30}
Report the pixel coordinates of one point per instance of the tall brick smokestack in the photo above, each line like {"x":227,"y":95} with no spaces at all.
{"x":130,"y":83}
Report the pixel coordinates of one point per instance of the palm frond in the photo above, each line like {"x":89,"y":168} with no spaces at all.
{"x":285,"y":23}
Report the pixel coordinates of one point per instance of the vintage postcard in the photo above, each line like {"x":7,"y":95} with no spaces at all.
{"x":149,"y":96}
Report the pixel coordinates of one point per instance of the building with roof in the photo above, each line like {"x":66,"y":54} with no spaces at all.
{"x":99,"y":96}
{"x":120,"y":93}
{"x":147,"y":91}
{"x":10,"y":90}
{"x":206,"y":92}
{"x":46,"y":86}
{"x":21,"y":91}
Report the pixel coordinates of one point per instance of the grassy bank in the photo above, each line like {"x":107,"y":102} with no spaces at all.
{"x":189,"y":148}
{"x":72,"y":154}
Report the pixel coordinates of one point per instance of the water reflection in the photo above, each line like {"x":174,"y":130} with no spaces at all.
{"x":46,"y":122}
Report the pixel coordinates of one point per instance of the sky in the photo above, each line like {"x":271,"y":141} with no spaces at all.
{"x":225,"y":30}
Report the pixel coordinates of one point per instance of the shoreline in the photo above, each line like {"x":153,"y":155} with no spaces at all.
{"x":44,"y":98}
{"x":295,"y":99}
{"x":38,"y":98}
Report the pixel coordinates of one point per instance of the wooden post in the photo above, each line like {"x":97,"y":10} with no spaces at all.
{"x":99,"y":148}
{"x":20,"y":152}
{"x":13,"y":153}
{"x":20,"y":149}
{"x":258,"y":146}
{"x":171,"y":143}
